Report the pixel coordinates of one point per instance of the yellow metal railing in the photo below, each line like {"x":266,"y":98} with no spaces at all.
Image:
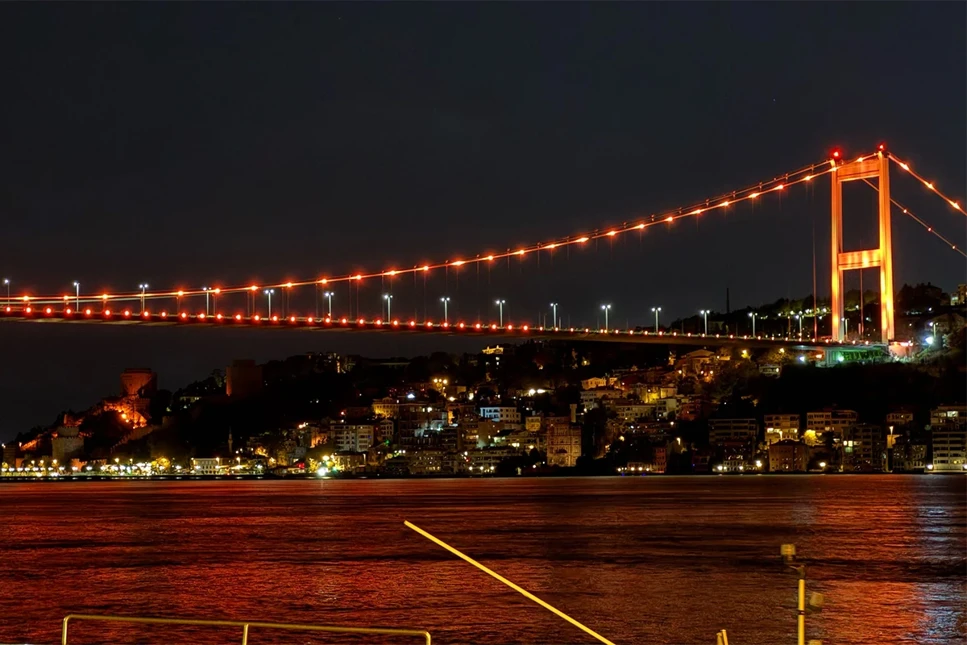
{"x":245,"y":625}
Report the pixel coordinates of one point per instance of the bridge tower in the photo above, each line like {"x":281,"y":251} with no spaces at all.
{"x":874,"y":167}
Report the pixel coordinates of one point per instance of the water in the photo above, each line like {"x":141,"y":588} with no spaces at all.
{"x":656,"y":560}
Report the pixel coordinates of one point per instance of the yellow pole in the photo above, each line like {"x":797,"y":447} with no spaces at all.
{"x":510,"y":584}
{"x":802,"y":610}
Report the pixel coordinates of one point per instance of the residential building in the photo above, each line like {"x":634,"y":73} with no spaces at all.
{"x":723,"y":432}
{"x":899,"y":418}
{"x":788,"y":456}
{"x":864,"y":448}
{"x":425,"y":462}
{"x":505,"y":414}
{"x":592,"y":398}
{"x":354,"y":437}
{"x":628,"y":409}
{"x":786,"y":424}
{"x":829,"y":420}
{"x":948,"y":427}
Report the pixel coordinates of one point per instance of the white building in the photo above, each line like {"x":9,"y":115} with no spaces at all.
{"x":354,"y":437}
{"x":501,"y":414}
{"x":948,"y":426}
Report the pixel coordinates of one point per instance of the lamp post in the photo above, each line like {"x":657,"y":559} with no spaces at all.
{"x":328,"y":295}
{"x":606,"y":309}
{"x":269,"y":292}
{"x":143,"y":288}
{"x":6,"y":282}
{"x":656,"y":311}
{"x":753,"y":316}
{"x":77,"y":293}
{"x":799,"y":318}
{"x":500,"y":305}
{"x":704,"y":313}
{"x":389,"y":305}
{"x":446,"y":314}
{"x":205,"y":289}
{"x":554,"y":309}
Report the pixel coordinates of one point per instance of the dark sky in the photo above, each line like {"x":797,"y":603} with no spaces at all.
{"x":221,"y":143}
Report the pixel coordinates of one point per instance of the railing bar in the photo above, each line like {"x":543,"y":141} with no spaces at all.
{"x":388,"y":631}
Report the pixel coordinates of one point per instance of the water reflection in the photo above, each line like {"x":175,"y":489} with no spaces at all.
{"x":639,"y":560}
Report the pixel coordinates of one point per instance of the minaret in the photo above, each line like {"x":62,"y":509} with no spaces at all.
{"x":230,"y":441}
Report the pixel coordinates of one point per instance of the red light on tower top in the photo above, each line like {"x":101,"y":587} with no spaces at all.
{"x":837,"y":154}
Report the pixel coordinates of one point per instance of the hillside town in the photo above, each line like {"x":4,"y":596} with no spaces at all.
{"x":534,"y":408}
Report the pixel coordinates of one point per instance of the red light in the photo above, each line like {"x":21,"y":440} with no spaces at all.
{"x":238,"y":316}
{"x":145,"y":314}
{"x":328,"y":320}
{"x":881,"y":147}
{"x":493,"y":326}
{"x":292,"y":319}
{"x":126,"y":313}
{"x":344,"y":321}
{"x":510,"y":327}
{"x":460,"y":325}
{"x":309,"y":320}
{"x":525,"y":328}
{"x":164,"y":314}
{"x":379,"y":323}
{"x":183,"y":315}
{"x":429,"y":324}
{"x":68,"y":311}
{"x":477,"y":326}
{"x":361,"y":321}
{"x":107,"y":312}
{"x":445,"y":324}
{"x":396,"y":323}
{"x":47,"y":310}
{"x":275,"y":319}
{"x":412,"y":323}
{"x":218,"y":316}
{"x":201,"y":316}
{"x":256,"y":318}
{"x":27,"y":310}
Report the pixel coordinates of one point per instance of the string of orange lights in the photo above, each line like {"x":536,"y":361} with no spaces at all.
{"x":761,"y":189}
{"x":929,"y":184}
{"x":919,"y":221}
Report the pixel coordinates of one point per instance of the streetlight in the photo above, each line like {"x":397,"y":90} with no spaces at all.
{"x":500,"y":305}
{"x":799,"y":318}
{"x":656,"y":310}
{"x":705,"y":313}
{"x":554,"y":309}
{"x":606,"y":309}
{"x":446,"y":314}
{"x":77,"y":293}
{"x":143,"y":287}
{"x":269,"y":292}
{"x":753,"y":316}
{"x":328,"y":295}
{"x":205,"y":289}
{"x":389,"y":305}
{"x":6,"y":282}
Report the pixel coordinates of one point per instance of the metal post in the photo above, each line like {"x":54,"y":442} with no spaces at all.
{"x":801,"y":627}
{"x":554,"y":308}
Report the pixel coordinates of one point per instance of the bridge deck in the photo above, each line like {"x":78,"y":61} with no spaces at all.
{"x":473,"y":330}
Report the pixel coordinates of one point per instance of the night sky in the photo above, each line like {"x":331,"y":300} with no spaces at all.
{"x":222,"y":144}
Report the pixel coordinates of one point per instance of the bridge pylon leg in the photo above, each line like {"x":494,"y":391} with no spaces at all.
{"x":874,"y":167}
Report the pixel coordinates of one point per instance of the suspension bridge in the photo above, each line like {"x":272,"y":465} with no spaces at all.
{"x":251,"y":305}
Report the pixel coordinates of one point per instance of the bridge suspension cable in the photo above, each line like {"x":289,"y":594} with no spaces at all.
{"x":919,"y":221}
{"x":928,"y":184}
{"x":761,"y":189}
